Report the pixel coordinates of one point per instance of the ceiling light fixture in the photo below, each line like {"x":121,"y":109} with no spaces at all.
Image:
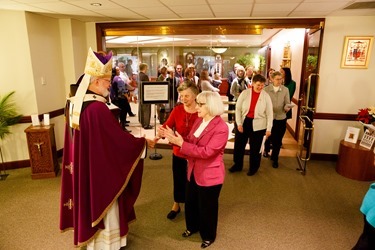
{"x":96,"y":4}
{"x":219,"y":50}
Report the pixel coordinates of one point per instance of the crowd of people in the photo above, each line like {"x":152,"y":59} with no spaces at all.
{"x":194,"y":127}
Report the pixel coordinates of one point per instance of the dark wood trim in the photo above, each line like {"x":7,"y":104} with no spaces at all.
{"x":15,"y":164}
{"x":323,"y":157}
{"x":199,"y":27}
{"x":336,"y":117}
{"x":52,"y":114}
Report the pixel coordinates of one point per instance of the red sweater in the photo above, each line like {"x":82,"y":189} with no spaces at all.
{"x":253,"y":103}
{"x":181,"y":121}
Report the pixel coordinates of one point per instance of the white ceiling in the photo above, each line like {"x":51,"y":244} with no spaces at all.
{"x":126,"y":10}
{"x":145,"y":10}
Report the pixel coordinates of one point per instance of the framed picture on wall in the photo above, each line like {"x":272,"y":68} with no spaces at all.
{"x":356,"y":52}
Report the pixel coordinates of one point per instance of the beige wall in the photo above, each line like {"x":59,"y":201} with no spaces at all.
{"x":16,"y":75}
{"x":341,"y":91}
{"x":44,"y":55}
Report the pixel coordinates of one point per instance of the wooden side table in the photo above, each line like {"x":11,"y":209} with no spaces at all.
{"x":355,"y":162}
{"x":42,"y":150}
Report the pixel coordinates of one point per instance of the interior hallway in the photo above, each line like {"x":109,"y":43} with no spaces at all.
{"x":289,"y":147}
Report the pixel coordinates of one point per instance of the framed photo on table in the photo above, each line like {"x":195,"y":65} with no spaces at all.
{"x":352,"y":134}
{"x":356,"y":52}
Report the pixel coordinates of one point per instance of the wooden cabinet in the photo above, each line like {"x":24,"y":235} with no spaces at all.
{"x":42,"y":150}
{"x":355,"y":162}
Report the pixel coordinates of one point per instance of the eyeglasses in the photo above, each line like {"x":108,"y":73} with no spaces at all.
{"x":200,"y":104}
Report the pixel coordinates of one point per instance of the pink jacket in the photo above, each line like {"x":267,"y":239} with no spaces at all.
{"x":205,"y":153}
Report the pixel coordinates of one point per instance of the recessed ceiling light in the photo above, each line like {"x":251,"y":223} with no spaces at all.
{"x":96,"y":4}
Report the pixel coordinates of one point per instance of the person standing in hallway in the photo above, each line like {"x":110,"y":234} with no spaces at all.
{"x":280,"y":99}
{"x":118,"y":93}
{"x":269,"y":76}
{"x":179,"y":73}
{"x":125,"y":78}
{"x":205,"y":83}
{"x":128,"y":68}
{"x":144,"y":109}
{"x":249,"y":74}
{"x":290,"y":84}
{"x":204,"y":149}
{"x":254,"y":116}
{"x":181,"y":120}
{"x":240,"y":83}
{"x":231,"y":76}
{"x":99,"y":186}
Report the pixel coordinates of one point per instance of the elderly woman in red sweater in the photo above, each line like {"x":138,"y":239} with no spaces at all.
{"x":181,"y":120}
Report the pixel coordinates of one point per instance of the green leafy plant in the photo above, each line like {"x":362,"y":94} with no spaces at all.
{"x":8,"y":117}
{"x":257,"y":61}
{"x":312,"y":61}
{"x":8,"y":114}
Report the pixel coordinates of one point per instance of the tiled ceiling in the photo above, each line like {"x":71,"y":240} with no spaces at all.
{"x":146,"y":10}
{"x":136,"y":10}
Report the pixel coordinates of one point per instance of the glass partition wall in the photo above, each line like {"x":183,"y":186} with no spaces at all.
{"x":159,"y":51}
{"x":215,"y":45}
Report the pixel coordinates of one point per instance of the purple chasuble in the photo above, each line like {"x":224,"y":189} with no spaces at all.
{"x":101,"y":163}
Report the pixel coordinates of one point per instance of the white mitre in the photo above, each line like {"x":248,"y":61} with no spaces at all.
{"x":94,"y":67}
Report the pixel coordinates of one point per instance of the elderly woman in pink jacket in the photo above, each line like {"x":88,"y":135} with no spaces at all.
{"x":204,"y":150}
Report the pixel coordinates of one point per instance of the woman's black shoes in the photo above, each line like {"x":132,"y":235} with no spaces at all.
{"x":275,"y":164}
{"x":265,"y":154}
{"x":172,"y":214}
{"x":234,"y":168}
{"x":206,"y":243}
{"x":187,"y":233}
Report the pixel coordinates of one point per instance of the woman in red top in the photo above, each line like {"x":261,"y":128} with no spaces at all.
{"x":181,"y":120}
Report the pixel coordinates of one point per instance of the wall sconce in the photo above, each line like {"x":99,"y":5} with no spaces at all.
{"x":219,"y":50}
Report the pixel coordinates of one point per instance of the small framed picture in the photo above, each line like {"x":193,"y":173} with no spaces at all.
{"x":352,"y":134}
{"x":368,"y":139}
{"x":356,"y":52}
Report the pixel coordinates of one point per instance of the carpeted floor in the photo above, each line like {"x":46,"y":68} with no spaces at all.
{"x":275,"y":209}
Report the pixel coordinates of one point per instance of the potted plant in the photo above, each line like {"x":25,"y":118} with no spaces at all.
{"x":252,"y":60}
{"x":8,"y":117}
{"x":312,"y":61}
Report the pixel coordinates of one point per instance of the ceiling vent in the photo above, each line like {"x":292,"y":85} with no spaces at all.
{"x":361,"y":5}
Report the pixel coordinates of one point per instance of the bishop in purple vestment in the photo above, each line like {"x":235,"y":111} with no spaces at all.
{"x":102,"y":165}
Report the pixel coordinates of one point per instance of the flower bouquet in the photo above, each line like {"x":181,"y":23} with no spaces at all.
{"x":366,"y":116}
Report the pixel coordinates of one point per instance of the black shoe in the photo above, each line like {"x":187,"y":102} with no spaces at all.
{"x":265,"y":154}
{"x":187,"y":233}
{"x":275,"y":164}
{"x":132,"y":115}
{"x":127,"y":121}
{"x":148,"y":127}
{"x":206,"y":243}
{"x":250,"y":173}
{"x":172,"y":214}
{"x":234,"y":168}
{"x":126,"y":125}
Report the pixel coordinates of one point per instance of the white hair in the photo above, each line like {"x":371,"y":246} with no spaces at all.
{"x":213,"y":102}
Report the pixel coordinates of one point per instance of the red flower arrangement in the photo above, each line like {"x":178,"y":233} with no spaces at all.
{"x":366,"y":115}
